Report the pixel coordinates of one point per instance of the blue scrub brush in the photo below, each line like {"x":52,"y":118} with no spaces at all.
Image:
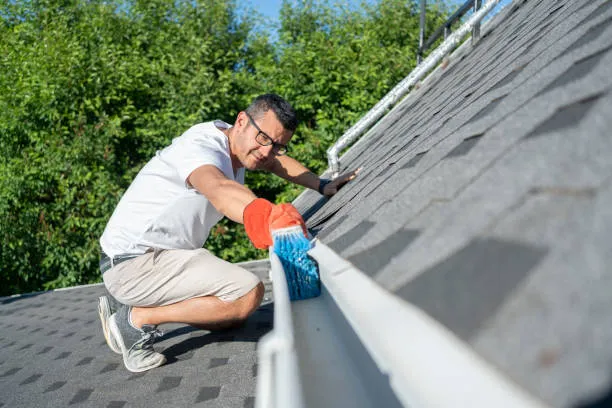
{"x":301,"y":271}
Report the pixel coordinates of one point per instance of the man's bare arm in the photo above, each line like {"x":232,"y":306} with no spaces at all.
{"x":227,"y":196}
{"x":295,"y":172}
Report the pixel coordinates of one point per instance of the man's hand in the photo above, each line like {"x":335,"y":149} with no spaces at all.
{"x":336,"y":184}
{"x":261,"y":217}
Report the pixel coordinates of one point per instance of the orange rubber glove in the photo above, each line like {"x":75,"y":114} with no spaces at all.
{"x":261,"y":217}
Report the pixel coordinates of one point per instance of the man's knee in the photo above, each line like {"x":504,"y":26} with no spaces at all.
{"x":248,"y":303}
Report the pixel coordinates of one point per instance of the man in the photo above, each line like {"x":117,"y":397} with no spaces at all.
{"x":153,"y":262}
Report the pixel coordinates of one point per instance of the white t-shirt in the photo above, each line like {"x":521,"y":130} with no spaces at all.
{"x":160,"y":209}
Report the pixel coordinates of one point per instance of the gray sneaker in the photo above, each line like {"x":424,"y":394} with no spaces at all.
{"x":105,"y":311}
{"x":136,"y":344}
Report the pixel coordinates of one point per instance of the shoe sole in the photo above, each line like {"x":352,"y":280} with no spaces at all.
{"x":114,"y":329}
{"x":104,"y":311}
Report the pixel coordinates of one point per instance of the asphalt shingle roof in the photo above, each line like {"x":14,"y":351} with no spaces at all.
{"x":484,"y":198}
{"x":54,"y":355}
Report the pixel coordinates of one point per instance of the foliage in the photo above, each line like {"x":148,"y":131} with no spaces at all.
{"x":90,"y":90}
{"x":334,"y":62}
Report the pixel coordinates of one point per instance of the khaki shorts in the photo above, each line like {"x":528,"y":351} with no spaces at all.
{"x":167,"y":276}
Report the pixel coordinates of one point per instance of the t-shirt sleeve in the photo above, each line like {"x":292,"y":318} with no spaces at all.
{"x":196,"y":148}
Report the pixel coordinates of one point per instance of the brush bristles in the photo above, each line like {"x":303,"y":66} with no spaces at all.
{"x":301,"y":271}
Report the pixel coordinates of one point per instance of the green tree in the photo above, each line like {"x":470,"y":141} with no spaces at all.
{"x":335,"y":62}
{"x":90,"y":90}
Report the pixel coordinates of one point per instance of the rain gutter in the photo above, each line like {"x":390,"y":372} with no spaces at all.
{"x":278,"y":382}
{"x":358,"y":345}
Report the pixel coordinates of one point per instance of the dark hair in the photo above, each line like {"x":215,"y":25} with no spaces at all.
{"x":283,"y":110}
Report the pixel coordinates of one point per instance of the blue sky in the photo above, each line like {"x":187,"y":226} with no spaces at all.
{"x":270,"y":8}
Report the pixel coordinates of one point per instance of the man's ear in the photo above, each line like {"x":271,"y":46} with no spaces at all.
{"x":241,"y":120}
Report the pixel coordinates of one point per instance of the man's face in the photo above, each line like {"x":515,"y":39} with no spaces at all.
{"x":250,"y":153}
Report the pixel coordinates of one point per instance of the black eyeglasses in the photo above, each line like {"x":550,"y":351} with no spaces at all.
{"x":265,"y":140}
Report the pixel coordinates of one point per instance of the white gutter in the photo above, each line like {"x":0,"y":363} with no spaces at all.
{"x":306,"y":361}
{"x":401,"y":89}
{"x":403,"y":358}
{"x":427,"y":366}
{"x":278,"y":382}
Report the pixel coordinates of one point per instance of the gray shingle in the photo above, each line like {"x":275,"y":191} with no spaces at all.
{"x":465,"y":289}
{"x":347,"y":239}
{"x":510,"y":229}
{"x":68,"y":362}
{"x":376,"y":257}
